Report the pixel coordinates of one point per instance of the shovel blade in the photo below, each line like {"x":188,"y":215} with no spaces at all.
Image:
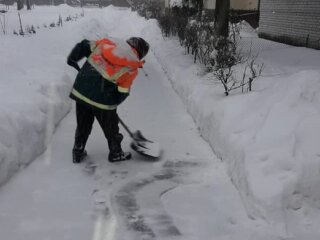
{"x":145,"y":147}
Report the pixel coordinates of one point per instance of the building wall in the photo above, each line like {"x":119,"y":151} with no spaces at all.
{"x":209,"y":4}
{"x":234,"y":4}
{"x":169,"y":3}
{"x":241,"y":9}
{"x":295,"y":22}
{"x":166,"y":3}
{"x":244,"y":4}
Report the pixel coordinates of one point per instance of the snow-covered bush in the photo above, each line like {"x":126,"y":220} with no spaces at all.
{"x":165,"y":23}
{"x":255,"y":70}
{"x":59,"y":23}
{"x":223,"y":57}
{"x":191,"y":36}
{"x":147,"y":8}
{"x":228,"y":62}
{"x":226,"y":57}
{"x":205,"y":41}
{"x":3,"y":21}
{"x":197,"y":36}
{"x":175,"y":21}
{"x":30,"y":29}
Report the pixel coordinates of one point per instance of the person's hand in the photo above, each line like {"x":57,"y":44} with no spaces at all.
{"x":73,"y":64}
{"x":142,"y":63}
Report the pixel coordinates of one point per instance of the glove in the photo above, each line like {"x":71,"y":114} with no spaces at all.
{"x":73,"y":64}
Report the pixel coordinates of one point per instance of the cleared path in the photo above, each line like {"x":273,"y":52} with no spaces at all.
{"x":55,"y":199}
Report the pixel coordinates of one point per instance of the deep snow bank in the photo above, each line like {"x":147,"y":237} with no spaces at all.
{"x":35,"y":83}
{"x":268,"y":138}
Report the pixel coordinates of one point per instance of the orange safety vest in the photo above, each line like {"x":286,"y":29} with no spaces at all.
{"x":116,"y":61}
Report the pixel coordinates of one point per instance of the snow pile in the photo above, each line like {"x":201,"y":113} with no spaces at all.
{"x":35,"y":83}
{"x":268,"y":138}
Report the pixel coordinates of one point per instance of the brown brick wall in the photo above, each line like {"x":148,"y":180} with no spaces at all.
{"x":296,"y":22}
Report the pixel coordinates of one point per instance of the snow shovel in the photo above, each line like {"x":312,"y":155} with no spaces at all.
{"x":142,"y":145}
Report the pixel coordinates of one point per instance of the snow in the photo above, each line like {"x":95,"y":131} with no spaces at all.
{"x":267,"y":138}
{"x":175,"y":3}
{"x":262,"y":184}
{"x":34,"y":86}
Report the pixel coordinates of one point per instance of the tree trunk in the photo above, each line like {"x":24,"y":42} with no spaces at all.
{"x":28,"y":4}
{"x":19,"y":4}
{"x":200,"y":8}
{"x":197,"y":4}
{"x":221,"y":18}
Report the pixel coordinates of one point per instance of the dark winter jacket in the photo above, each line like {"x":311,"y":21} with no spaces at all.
{"x":90,"y":87}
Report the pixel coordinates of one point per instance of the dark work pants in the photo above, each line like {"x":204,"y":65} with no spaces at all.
{"x":107,"y":119}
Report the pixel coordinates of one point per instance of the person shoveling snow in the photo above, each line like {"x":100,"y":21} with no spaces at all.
{"x":101,"y":85}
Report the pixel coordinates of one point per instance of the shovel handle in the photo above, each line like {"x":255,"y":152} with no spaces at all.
{"x":125,"y":127}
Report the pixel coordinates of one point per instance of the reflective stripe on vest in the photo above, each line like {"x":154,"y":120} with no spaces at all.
{"x":123,"y":90}
{"x":93,"y":103}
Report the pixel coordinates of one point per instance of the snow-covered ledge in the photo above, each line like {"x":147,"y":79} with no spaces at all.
{"x":27,"y":128}
{"x":34,"y":84}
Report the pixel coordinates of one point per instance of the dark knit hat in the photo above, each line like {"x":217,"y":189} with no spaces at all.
{"x":140,"y":45}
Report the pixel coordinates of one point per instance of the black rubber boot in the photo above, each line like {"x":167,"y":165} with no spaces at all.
{"x":116,"y":154}
{"x":78,"y":151}
{"x":78,"y":156}
{"x":120,"y":156}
